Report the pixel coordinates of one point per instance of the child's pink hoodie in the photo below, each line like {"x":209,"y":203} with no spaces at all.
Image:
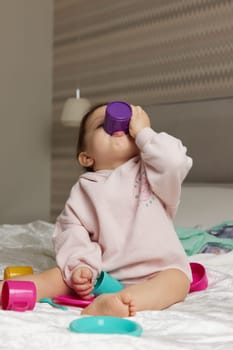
{"x":120,"y":220}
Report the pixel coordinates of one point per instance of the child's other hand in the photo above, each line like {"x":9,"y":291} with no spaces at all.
{"x":139,"y":121}
{"x":81,"y":280}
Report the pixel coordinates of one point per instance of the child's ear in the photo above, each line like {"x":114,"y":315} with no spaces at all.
{"x":85,"y":160}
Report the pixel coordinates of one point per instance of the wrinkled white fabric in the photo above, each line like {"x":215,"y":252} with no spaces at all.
{"x":28,"y":244}
{"x":203,"y":321}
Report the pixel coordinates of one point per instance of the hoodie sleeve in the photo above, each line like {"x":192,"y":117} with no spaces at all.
{"x":166,"y":165}
{"x":73,"y":245}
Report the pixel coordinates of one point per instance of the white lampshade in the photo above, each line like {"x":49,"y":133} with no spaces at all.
{"x":73,"y":111}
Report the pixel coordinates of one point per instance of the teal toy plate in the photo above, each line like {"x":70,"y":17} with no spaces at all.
{"x":106,"y":325}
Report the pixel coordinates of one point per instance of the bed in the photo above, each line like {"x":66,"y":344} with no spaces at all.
{"x":203,"y":321}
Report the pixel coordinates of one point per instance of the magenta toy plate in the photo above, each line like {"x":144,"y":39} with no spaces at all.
{"x":72,"y":300}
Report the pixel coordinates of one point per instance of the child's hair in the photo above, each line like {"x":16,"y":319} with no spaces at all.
{"x":82,"y":131}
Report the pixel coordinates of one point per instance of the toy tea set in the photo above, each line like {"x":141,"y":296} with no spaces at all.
{"x":18,"y":295}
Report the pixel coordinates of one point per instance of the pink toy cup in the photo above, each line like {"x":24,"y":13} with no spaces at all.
{"x":18,"y":295}
{"x":200,"y":280}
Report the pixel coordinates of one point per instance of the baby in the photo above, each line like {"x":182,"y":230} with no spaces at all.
{"x":119,"y":219}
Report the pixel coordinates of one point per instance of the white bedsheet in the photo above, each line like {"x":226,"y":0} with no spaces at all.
{"x":203,"y":321}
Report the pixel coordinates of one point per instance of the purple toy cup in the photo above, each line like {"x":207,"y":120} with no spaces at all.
{"x":18,"y":295}
{"x":117,"y":117}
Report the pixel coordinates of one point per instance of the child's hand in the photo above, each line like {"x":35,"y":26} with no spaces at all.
{"x":139,"y":121}
{"x":81,"y":282}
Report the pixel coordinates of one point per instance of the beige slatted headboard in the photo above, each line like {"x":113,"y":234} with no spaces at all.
{"x":154,"y":53}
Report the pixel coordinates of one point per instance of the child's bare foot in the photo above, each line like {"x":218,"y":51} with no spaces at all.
{"x":119,"y":305}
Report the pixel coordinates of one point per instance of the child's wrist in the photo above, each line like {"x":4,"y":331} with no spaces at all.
{"x":143,"y":136}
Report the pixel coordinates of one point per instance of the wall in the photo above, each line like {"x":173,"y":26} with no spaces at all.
{"x":205,"y":127}
{"x":172,"y":57}
{"x":148,"y":52}
{"x":26,"y":28}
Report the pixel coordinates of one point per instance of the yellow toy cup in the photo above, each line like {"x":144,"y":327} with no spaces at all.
{"x":11,"y":272}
